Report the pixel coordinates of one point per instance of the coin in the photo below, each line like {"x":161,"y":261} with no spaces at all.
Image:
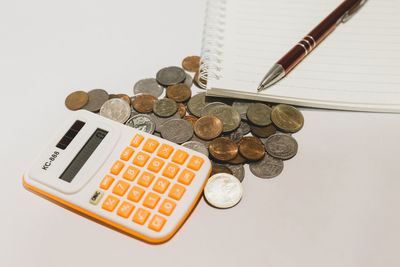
{"x":178,"y":92}
{"x":196,"y":104}
{"x":263,"y":131}
{"x":177,"y":131}
{"x":159,"y":121}
{"x":208,"y":127}
{"x":228,"y":115}
{"x":199,"y":81}
{"x":237,"y":171}
{"x":97,"y":97}
{"x":144,"y":103}
{"x":241,"y":131}
{"x":197,"y":139}
{"x":237,"y":160}
{"x":165,"y":107}
{"x":287,"y":118}
{"x":197,"y":146}
{"x":223,"y":149}
{"x":191,"y":119}
{"x":111,"y":96}
{"x":281,"y":146}
{"x":142,"y":122}
{"x":218,"y":168}
{"x":259,"y":114}
{"x":116,"y":109}
{"x":209,"y":106}
{"x":170,"y":75}
{"x":181,"y":110}
{"x":125,"y":97}
{"x":241,"y":106}
{"x":191,"y":63}
{"x":268,"y":167}
{"x":148,"y":86}
{"x":188,"y":81}
{"x":76,"y":100}
{"x":251,"y":148}
{"x":223,"y":190}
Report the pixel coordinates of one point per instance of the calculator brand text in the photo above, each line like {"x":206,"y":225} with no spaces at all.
{"x":52,"y":158}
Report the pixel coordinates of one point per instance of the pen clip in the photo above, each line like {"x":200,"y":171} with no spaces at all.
{"x":350,"y":13}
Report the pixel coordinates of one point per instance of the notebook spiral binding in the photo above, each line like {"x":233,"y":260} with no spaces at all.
{"x":212,"y":42}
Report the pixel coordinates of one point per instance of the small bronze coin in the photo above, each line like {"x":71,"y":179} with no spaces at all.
{"x":259,"y":114}
{"x":191,"y":119}
{"x":263,"y":131}
{"x":199,"y":82}
{"x":181,"y":110}
{"x":125,"y":97}
{"x":178,"y":92}
{"x":208,"y":127}
{"x":237,"y":160}
{"x":251,"y":148}
{"x":144,"y":103}
{"x":287,"y":118}
{"x":223,"y":149}
{"x":191,"y":63}
{"x":217,"y":168}
{"x":76,"y":100}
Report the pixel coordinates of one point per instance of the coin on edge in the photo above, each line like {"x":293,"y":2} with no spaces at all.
{"x":148,"y":86}
{"x":165,"y":107}
{"x":170,"y":75}
{"x":178,"y":92}
{"x":208,"y":127}
{"x":97,"y":97}
{"x":191,"y":63}
{"x":268,"y":167}
{"x":76,"y":100}
{"x":142,"y":122}
{"x":144,"y":103}
{"x":223,"y":190}
{"x":281,"y":146}
{"x":259,"y":114}
{"x":116,"y":109}
{"x":223,"y":149}
{"x":177,"y":130}
{"x":287,"y":118}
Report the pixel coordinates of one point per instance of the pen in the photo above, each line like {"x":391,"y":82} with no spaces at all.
{"x":281,"y":68}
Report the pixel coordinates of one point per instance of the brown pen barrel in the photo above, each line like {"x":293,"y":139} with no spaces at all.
{"x":308,"y":43}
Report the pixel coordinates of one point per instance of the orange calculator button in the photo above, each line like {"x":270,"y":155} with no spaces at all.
{"x":140,"y":216}
{"x":195,"y":163}
{"x":186,"y":177}
{"x":151,"y":200}
{"x":161,"y":185}
{"x":120,"y":188}
{"x":110,"y":203}
{"x":106,"y":182}
{"x":137,"y":140}
{"x":180,"y":156}
{"x":127,"y":153}
{"x":150,"y":145}
{"x":145,"y":179}
{"x":135,"y":194}
{"x":155,"y":165}
{"x":141,"y":159}
{"x":125,"y":209}
{"x":156,"y":223}
{"x":170,"y":170}
{"x":117,"y":167}
{"x":130,"y":173}
{"x":165,"y":151}
{"x":167,"y":207}
{"x":176,"y":191}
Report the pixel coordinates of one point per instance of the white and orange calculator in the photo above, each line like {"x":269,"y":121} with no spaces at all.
{"x":141,"y":184}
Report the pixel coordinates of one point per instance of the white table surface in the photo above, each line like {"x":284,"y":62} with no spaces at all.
{"x":335,"y":204}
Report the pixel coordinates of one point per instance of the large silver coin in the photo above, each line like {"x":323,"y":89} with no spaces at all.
{"x":241,"y":106}
{"x":259,"y":114}
{"x":207,"y":107}
{"x":188,"y":80}
{"x":170,"y":76}
{"x":97,"y":97}
{"x":165,"y":107}
{"x":237,"y":170}
{"x":229,"y":116}
{"x":281,"y":146}
{"x":267,"y":167}
{"x":148,"y":86}
{"x":223,"y":190}
{"x":177,"y":130}
{"x":196,"y":104}
{"x":197,"y":139}
{"x":197,"y":146}
{"x":142,"y":122}
{"x":116,"y":109}
{"x":159,"y":121}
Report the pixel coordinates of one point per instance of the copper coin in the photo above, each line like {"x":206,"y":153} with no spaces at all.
{"x":178,"y":92}
{"x":217,"y":168}
{"x":208,"y":127}
{"x":263,"y":131}
{"x":144,"y":103}
{"x":191,"y":63}
{"x":125,"y":98}
{"x":191,"y":119}
{"x":287,"y":118}
{"x":223,"y":149}
{"x":111,"y":96}
{"x":237,"y":160}
{"x":199,"y":81}
{"x":251,"y":148}
{"x":76,"y":100}
{"x":181,"y":110}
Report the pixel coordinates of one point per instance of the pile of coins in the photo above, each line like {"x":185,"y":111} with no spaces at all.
{"x":230,"y":132}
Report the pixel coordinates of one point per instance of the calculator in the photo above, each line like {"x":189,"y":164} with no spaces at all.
{"x":136,"y":182}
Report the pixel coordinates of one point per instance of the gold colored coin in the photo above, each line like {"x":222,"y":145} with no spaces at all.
{"x":178,"y":92}
{"x":191,"y":63}
{"x":216,"y":168}
{"x":125,"y":98}
{"x":191,"y":119}
{"x":251,"y":148}
{"x":263,"y":131}
{"x":237,"y":160}
{"x":287,"y":118}
{"x":208,"y":127}
{"x":144,"y":103}
{"x":181,"y":110}
{"x":76,"y":100}
{"x":223,"y":149}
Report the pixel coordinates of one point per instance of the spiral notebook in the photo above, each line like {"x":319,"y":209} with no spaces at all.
{"x":357,"y":67}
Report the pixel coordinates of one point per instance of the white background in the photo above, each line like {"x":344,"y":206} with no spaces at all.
{"x":335,"y":204}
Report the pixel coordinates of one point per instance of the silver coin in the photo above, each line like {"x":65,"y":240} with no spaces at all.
{"x":177,"y":130}
{"x":188,"y":80}
{"x":197,"y":146}
{"x":207,"y":107}
{"x":197,"y":139}
{"x":157,"y":134}
{"x":159,"y":121}
{"x":267,"y":167}
{"x":223,"y":190}
{"x":142,"y":122}
{"x":241,"y":131}
{"x":229,"y":116}
{"x":259,"y":114}
{"x":237,"y":170}
{"x":148,"y":86}
{"x":281,"y":146}
{"x":241,"y":106}
{"x":97,"y":97}
{"x":165,"y":107}
{"x":170,"y":76}
{"x":116,"y":109}
{"x":196,"y":104}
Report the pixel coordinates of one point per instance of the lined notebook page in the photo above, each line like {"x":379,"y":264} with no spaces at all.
{"x":356,"y":67}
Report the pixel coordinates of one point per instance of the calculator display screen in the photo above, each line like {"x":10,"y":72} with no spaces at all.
{"x":83,"y":155}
